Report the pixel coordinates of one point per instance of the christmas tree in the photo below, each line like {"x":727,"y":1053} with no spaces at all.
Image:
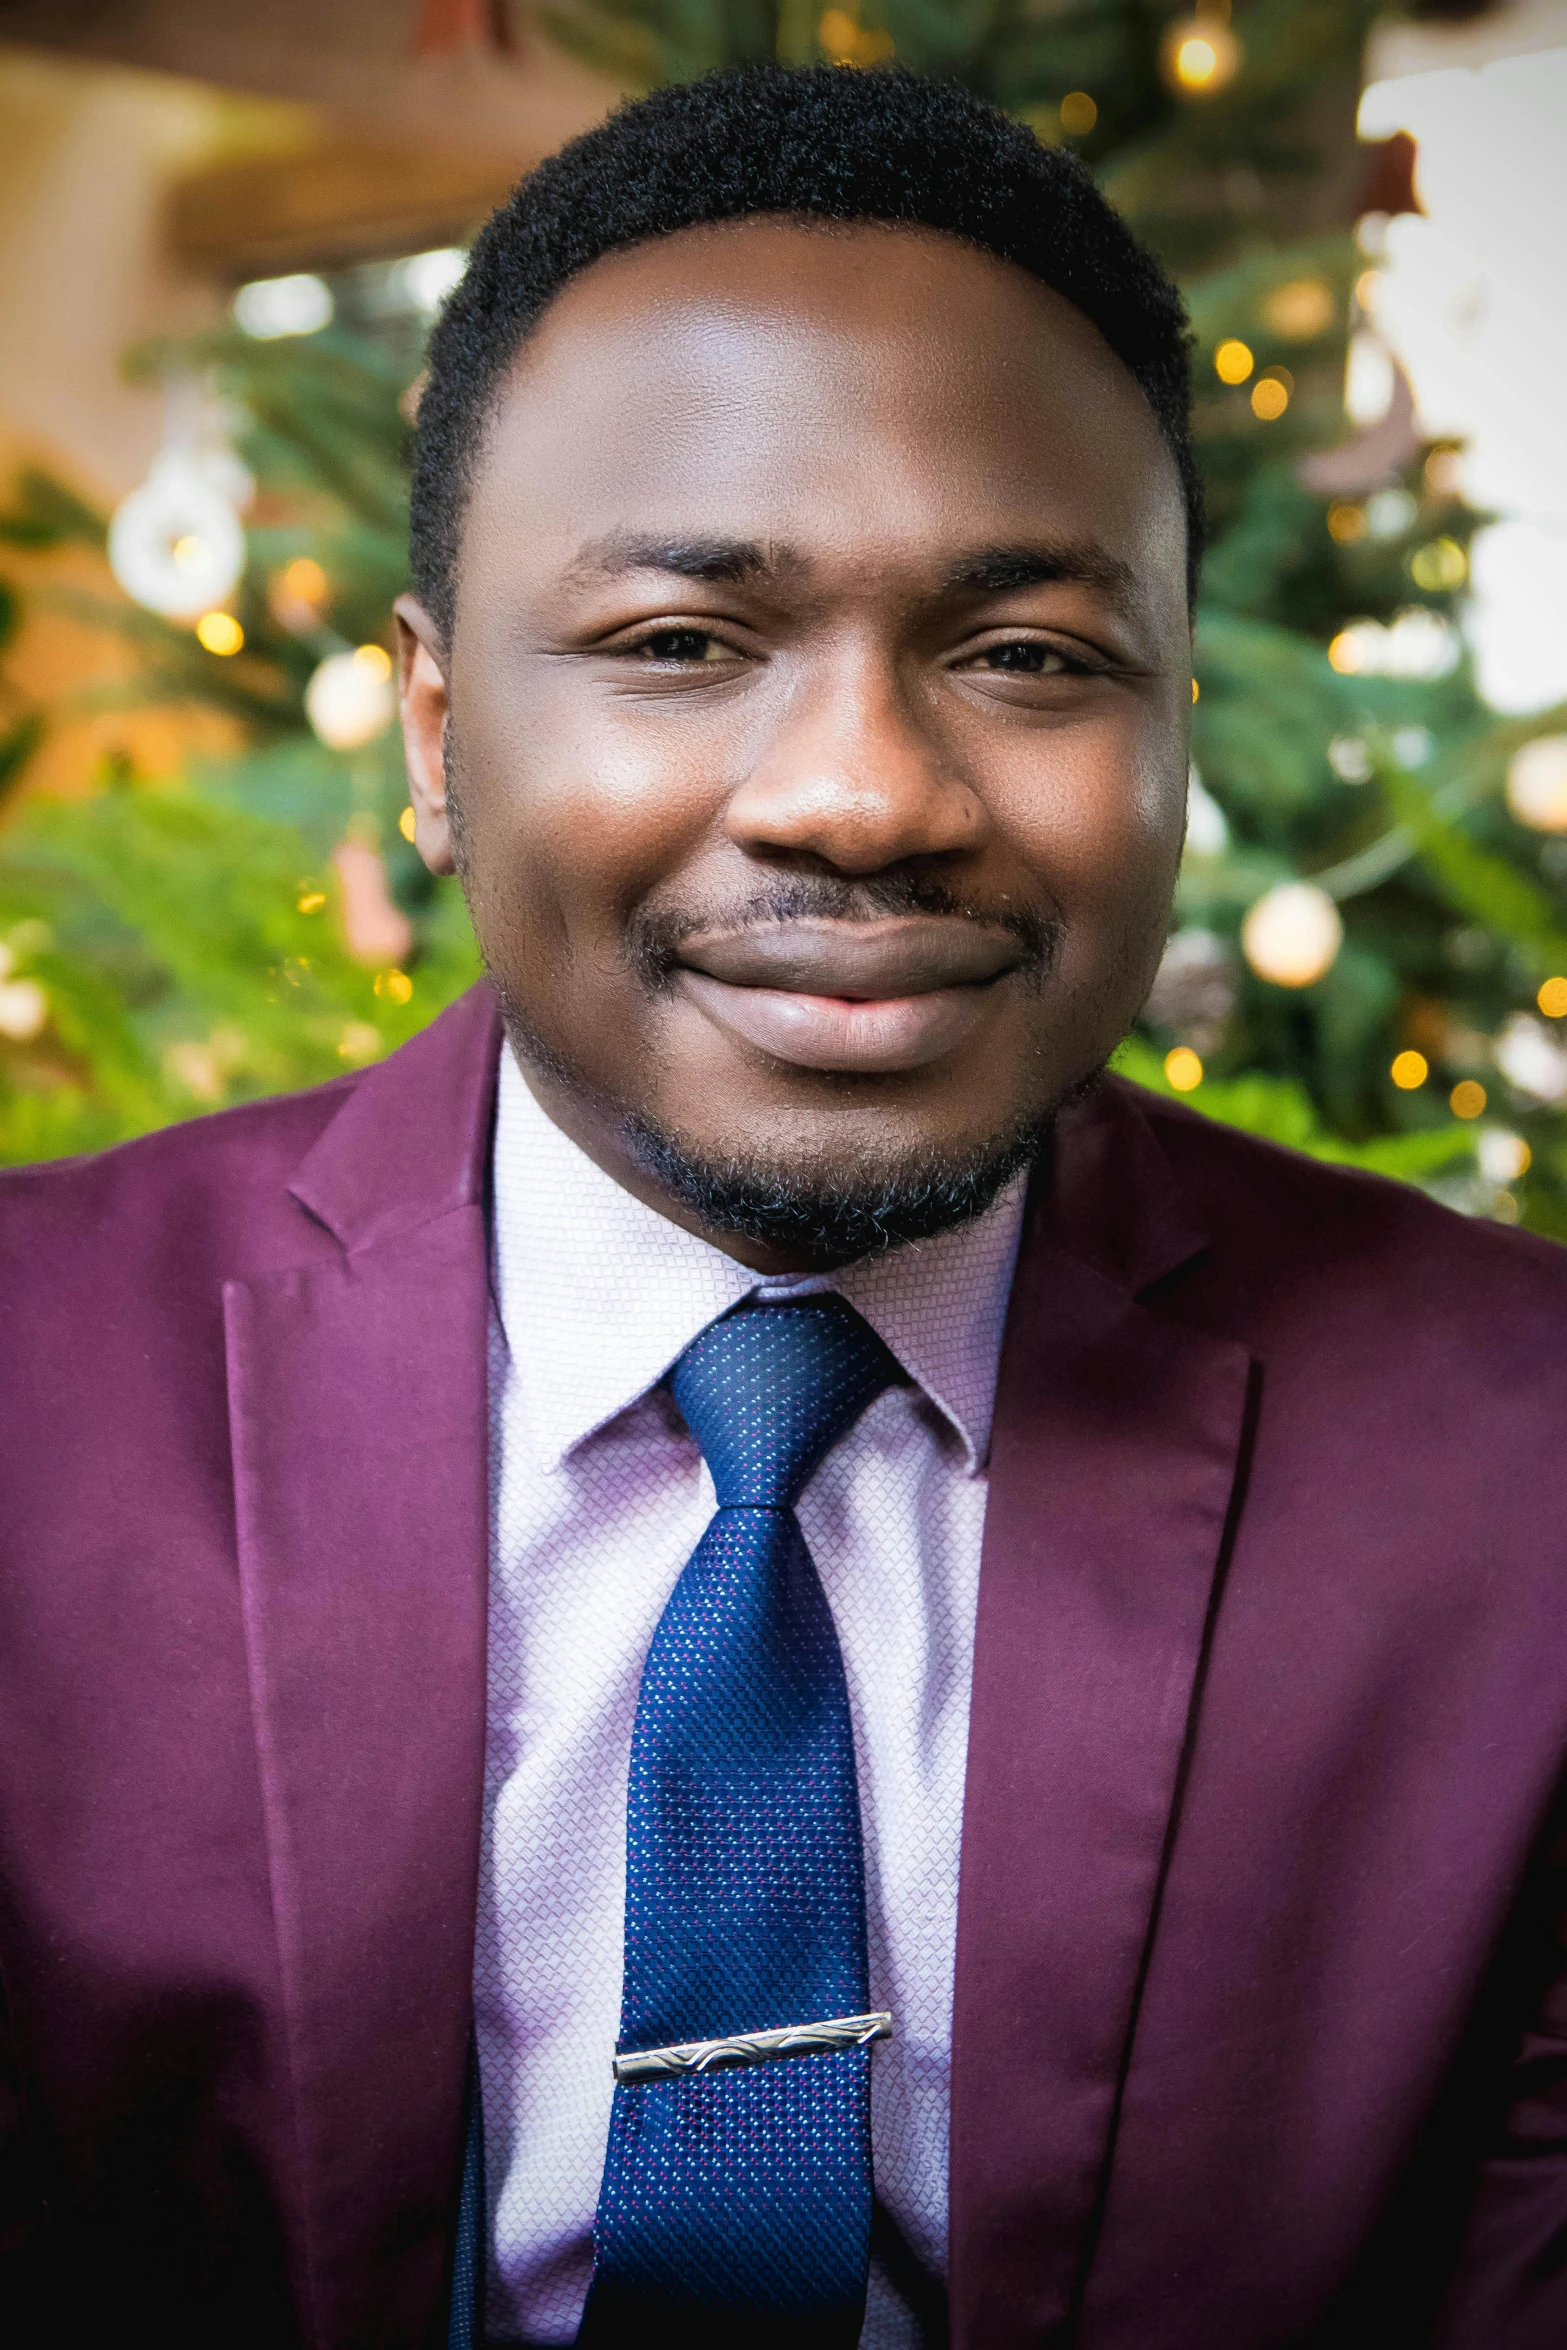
{"x":1370,"y":943}
{"x":177,"y":943}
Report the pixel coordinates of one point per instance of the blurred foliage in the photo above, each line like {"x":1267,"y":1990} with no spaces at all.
{"x":188,"y":933}
{"x":1384,"y":790}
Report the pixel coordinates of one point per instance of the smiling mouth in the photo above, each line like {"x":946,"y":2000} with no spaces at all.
{"x":872,"y":997}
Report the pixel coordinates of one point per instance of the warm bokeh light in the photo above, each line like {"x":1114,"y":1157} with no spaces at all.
{"x":190,"y":552}
{"x":358,"y":1042}
{"x":407,"y":824}
{"x":220,"y":632}
{"x":1078,"y":114}
{"x":1552,"y":999}
{"x":305,"y":579}
{"x":1302,"y":309}
{"x":1409,"y":1070}
{"x":375,"y":660}
{"x":1233,"y":362}
{"x":1344,"y":652}
{"x":843,"y":40}
{"x":1439,"y":567}
{"x":1183,"y":1069}
{"x":1196,"y":691}
{"x":1346,"y":522}
{"x":310,"y":901}
{"x":1467,"y":1099}
{"x":395,"y":986}
{"x":1200,"y":54}
{"x":1292,"y":934}
{"x":1270,"y":397}
{"x":1537,"y":783}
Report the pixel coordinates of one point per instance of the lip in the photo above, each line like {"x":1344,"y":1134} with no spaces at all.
{"x":901,"y":955}
{"x":869,"y":998}
{"x":873,"y":1037}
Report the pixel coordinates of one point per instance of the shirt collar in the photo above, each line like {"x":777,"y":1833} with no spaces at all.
{"x":598,"y":1295}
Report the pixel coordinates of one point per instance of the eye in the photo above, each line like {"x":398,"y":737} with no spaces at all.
{"x":1022,"y":657}
{"x":680,"y":645}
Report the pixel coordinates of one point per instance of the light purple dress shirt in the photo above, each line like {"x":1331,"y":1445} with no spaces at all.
{"x":599,"y":1496}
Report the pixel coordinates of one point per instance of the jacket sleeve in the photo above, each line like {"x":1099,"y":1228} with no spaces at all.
{"x":1509,"y":2290}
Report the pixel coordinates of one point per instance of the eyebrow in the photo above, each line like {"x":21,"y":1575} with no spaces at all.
{"x":993,"y":571}
{"x":982,"y":571}
{"x":721,"y":562}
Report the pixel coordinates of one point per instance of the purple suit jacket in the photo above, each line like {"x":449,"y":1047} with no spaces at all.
{"x":1260,"y":2022}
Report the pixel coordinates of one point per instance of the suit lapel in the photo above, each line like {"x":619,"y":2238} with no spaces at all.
{"x":358,"y":1422}
{"x":1113,"y":1465}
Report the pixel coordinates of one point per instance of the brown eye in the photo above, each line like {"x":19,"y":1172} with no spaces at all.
{"x":680,"y":644}
{"x":1022,"y":659}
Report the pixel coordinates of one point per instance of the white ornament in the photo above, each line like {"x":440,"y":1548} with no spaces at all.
{"x":1537,"y":783}
{"x":176,"y":545}
{"x":350,"y":699}
{"x":1530,"y":1058}
{"x":1207,"y":827}
{"x":1292,"y":935}
{"x":23,"y":1009}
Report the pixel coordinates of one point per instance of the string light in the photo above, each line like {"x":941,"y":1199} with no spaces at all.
{"x":1346,"y":522}
{"x":1271,"y":394}
{"x":1199,"y":54}
{"x":1078,"y":114}
{"x":408,"y":824}
{"x":395,"y":986}
{"x":1552,"y":999}
{"x":1467,"y":1099}
{"x":220,"y":632}
{"x":1183,"y":1069}
{"x":1409,"y":1071}
{"x":1233,"y":362}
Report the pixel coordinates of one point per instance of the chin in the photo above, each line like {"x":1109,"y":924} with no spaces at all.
{"x":830,"y":1205}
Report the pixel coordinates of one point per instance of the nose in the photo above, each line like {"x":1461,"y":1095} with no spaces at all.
{"x":854,"y":775}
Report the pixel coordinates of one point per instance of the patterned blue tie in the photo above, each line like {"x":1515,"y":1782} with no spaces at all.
{"x":736,"y":2203}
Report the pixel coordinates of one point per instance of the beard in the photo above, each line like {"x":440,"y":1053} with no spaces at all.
{"x":830,"y":1216}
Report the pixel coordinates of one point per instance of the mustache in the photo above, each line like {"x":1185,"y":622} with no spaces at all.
{"x":655,"y":935}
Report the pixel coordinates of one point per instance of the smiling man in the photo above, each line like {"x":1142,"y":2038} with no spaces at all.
{"x":735,"y":1656}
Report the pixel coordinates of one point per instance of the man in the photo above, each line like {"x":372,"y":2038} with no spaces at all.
{"x":767,"y":1566}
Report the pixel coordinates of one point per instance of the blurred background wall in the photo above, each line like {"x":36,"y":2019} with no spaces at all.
{"x":224,"y":233}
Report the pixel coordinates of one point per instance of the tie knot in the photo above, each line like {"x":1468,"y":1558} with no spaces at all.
{"x":768,"y":1391}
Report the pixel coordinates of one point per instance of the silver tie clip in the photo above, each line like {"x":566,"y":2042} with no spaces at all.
{"x":707,"y":2056}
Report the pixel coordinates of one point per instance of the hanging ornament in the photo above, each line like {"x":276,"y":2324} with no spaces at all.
{"x":1199,"y":54}
{"x":350,"y":699}
{"x":176,"y":545}
{"x":377,"y":931}
{"x":1537,"y":783}
{"x":1293,"y":934}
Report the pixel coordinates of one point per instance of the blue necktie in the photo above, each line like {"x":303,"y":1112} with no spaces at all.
{"x":736,"y":2201}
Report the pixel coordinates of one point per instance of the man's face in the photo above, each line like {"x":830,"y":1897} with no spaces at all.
{"x":815,"y":714}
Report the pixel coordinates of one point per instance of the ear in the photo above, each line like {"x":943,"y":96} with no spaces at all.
{"x":422,"y":698}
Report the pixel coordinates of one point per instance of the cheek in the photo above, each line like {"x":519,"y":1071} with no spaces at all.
{"x":571,"y":817}
{"x":1097,"y":813}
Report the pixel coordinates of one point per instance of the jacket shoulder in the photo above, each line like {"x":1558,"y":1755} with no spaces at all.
{"x":1283,"y":1214}
{"x":207,"y":1181}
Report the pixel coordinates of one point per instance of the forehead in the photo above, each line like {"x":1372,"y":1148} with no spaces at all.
{"x":880,"y":393}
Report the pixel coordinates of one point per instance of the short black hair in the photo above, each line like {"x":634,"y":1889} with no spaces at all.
{"x":820,"y":142}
